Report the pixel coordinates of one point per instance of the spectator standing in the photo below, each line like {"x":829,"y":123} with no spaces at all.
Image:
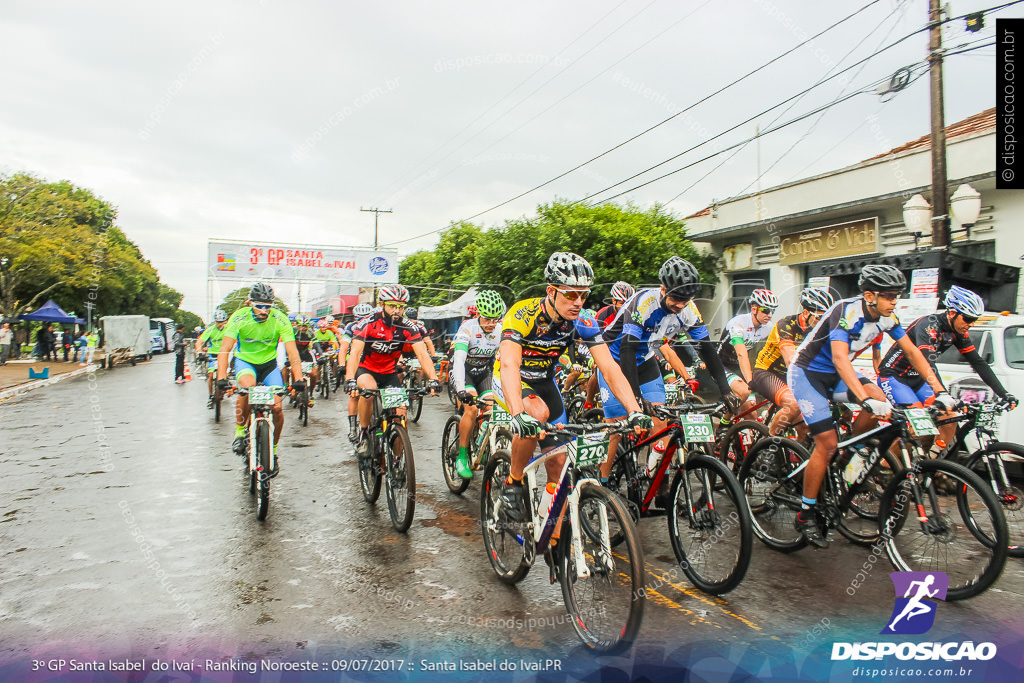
{"x":92,"y":340}
{"x":20,"y":338}
{"x":5,"y":342}
{"x":178,"y":341}
{"x":44,"y":342}
{"x":65,"y":341}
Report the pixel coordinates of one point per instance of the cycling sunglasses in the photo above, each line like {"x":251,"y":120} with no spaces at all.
{"x":888,"y":296}
{"x":262,"y":307}
{"x":970,"y":320}
{"x":574,"y":294}
{"x":396,"y":304}
{"x":485,"y":319}
{"x":764,"y":309}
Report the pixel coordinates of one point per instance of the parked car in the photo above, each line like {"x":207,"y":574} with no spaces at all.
{"x":158,"y":345}
{"x":1000,"y":341}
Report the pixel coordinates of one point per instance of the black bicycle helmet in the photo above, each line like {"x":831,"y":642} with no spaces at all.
{"x":881,"y":278}
{"x":680,"y":278}
{"x":411,"y":313}
{"x":816,"y":300}
{"x":261,"y":291}
{"x":566,"y":268}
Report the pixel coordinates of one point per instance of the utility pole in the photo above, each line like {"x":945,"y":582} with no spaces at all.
{"x":940,"y":200}
{"x":376,"y":217}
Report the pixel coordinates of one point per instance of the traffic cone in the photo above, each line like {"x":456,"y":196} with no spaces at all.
{"x":188,"y":373}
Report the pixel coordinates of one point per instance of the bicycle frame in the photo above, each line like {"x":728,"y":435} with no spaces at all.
{"x":543,"y":522}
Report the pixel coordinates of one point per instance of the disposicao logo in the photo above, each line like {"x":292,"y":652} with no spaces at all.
{"x":914,"y":613}
{"x":378,"y":265}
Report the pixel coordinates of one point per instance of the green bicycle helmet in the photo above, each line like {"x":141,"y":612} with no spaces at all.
{"x":489,"y":304}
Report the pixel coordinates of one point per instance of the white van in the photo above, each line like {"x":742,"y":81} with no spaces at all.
{"x":1000,"y":342}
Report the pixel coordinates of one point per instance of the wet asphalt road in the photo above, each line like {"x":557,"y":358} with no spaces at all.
{"x":125,"y":527}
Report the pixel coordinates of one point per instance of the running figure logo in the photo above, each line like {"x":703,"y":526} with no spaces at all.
{"x":914,"y":612}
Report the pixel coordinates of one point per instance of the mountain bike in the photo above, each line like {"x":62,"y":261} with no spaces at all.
{"x":992,"y":462}
{"x":324,"y":383}
{"x":923,"y":525}
{"x":261,"y":463}
{"x":490,"y":434}
{"x":390,"y":457}
{"x":601,"y":587}
{"x":709,"y":523}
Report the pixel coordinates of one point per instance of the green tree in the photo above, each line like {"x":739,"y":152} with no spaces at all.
{"x":236,"y":299}
{"x":433,"y":277}
{"x":187,"y":318}
{"x":621,"y":243}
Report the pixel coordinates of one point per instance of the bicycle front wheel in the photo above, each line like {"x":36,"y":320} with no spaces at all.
{"x":263,"y":447}
{"x":449,"y":454}
{"x":709,"y":525}
{"x":399,"y":477}
{"x":997,"y":464}
{"x":504,"y":539}
{"x":939,"y":516}
{"x":773,"y":495}
{"x":603,"y":590}
{"x":415,"y":402}
{"x":737,"y":441}
{"x":369,"y":473}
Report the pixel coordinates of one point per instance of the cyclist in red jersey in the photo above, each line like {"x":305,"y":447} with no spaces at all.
{"x":377,"y":342}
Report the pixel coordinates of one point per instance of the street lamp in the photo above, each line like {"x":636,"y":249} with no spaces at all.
{"x":965,"y":205}
{"x":917,"y":216}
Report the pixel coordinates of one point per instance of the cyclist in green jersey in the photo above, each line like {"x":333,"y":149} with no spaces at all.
{"x":210,"y":340}
{"x":257,"y":328}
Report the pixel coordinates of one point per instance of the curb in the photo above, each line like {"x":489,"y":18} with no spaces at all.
{"x":38,"y":384}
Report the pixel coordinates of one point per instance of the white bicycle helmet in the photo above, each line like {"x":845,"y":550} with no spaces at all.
{"x":622,"y":291}
{"x":965,"y":302}
{"x":566,"y":268}
{"x":362,"y":310}
{"x":764,"y":298}
{"x":393,"y":293}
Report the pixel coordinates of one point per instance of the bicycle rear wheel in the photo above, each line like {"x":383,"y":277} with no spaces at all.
{"x":449,"y":453}
{"x":370,"y":471}
{"x":606,"y":603}
{"x":772,"y":494}
{"x":263,"y":447}
{"x":400,"y":477}
{"x":963,"y":533}
{"x":504,"y":540}
{"x":711,"y":536}
{"x":737,"y":441}
{"x":996,"y":465}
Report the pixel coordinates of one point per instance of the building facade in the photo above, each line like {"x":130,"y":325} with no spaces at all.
{"x":824,"y":229}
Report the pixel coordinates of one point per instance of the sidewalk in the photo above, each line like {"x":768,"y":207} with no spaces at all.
{"x":14,"y":377}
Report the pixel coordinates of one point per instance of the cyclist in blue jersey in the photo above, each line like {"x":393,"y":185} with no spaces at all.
{"x":649,"y":319}
{"x":823,"y":370}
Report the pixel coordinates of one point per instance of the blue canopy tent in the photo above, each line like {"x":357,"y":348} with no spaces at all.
{"x":52,"y":313}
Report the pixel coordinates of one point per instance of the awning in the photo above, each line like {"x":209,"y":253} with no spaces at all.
{"x":453,"y":309}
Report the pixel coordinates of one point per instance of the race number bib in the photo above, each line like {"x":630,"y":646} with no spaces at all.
{"x":307,"y":367}
{"x":393,"y":397}
{"x":921,"y":422}
{"x":988,"y":417}
{"x":698,"y":429}
{"x":500,"y":417}
{"x":671,"y":393}
{"x":589,"y":450}
{"x":261,"y":396}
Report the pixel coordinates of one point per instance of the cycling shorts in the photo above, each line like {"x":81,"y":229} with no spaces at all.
{"x":732,"y":374}
{"x":812,"y":391}
{"x":268,"y":374}
{"x":545,"y":390}
{"x":479,"y":383}
{"x":769,"y":385}
{"x":900,"y":394}
{"x":653,"y":390}
{"x":383,"y":380}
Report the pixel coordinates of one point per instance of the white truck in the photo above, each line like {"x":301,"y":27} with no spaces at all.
{"x":125,"y":338}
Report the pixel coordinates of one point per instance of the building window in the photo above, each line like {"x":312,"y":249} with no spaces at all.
{"x":742,"y":285}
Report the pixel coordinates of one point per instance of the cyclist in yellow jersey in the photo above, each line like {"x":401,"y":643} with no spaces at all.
{"x":769,"y":374}
{"x":535,"y":332}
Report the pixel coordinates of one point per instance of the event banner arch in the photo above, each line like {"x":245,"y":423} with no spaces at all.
{"x":251,"y":261}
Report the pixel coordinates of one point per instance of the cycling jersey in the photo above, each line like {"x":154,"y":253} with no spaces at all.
{"x":642,"y":317}
{"x":846,"y":321}
{"x":933,"y":334}
{"x":346,"y":332}
{"x":302,"y":341}
{"x":212,"y":338}
{"x":542,"y":339}
{"x":257,"y":341}
{"x":740,"y":330}
{"x":383,"y":342}
{"x":422,"y":329}
{"x":474,"y":352}
{"x":324,"y":340}
{"x":606,"y":315}
{"x":787,"y":332}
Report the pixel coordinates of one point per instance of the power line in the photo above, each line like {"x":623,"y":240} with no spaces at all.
{"x":420,"y":164}
{"x":649,"y":129}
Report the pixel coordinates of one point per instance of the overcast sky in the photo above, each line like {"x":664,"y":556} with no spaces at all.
{"x":278,"y":121}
